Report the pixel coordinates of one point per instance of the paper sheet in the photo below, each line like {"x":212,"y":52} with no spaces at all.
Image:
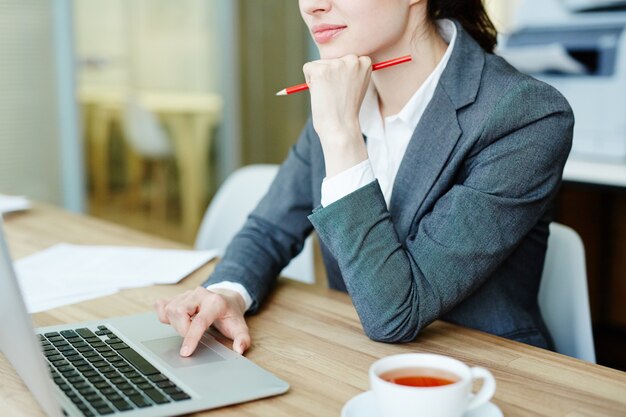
{"x":43,"y":304}
{"x":65,"y":274}
{"x":10,"y":203}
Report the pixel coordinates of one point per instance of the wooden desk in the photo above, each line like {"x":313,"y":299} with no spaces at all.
{"x":311,"y":337}
{"x":191,"y":119}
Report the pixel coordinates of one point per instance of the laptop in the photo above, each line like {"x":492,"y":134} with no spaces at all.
{"x":126,"y":366}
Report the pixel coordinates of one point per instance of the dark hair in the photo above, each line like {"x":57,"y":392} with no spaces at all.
{"x":471,"y":14}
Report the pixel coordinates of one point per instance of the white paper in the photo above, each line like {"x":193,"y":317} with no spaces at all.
{"x":538,"y":59}
{"x":43,"y":304}
{"x":10,"y":203}
{"x":65,"y":273}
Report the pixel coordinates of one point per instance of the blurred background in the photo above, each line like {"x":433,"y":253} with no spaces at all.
{"x":135,"y":111}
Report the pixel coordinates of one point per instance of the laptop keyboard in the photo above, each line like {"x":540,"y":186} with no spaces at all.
{"x":102,"y":375}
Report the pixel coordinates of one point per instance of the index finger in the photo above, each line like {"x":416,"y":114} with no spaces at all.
{"x":199,"y":324}
{"x":209,"y":310}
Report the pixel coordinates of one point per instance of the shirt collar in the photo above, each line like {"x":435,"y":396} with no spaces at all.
{"x":369,"y":115}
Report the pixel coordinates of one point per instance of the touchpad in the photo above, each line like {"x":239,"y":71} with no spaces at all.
{"x":168,"y":349}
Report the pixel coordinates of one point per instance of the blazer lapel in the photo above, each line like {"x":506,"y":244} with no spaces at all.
{"x":431,"y":144}
{"x":437,"y":133}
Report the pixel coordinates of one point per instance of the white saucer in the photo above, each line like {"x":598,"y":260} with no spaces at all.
{"x":364,"y":405}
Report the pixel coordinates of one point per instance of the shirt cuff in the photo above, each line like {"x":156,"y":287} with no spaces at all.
{"x":346,"y":182}
{"x":238,"y":288}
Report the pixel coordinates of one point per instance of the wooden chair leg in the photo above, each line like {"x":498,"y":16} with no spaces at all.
{"x":158,"y":189}
{"x":135,"y":167}
{"x":99,"y":157}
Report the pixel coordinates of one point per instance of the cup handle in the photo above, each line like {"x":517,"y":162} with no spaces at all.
{"x":486,"y":391}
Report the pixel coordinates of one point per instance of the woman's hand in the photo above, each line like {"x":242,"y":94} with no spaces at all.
{"x":193,"y":312}
{"x":337,"y":88}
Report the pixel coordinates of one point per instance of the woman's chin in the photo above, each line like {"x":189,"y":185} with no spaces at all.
{"x":334,"y":51}
{"x":337,"y":49}
{"x":334,"y":54}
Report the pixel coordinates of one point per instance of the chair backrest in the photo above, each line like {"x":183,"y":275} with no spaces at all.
{"x":563,"y":295}
{"x":144,"y":131}
{"x":230,"y":207}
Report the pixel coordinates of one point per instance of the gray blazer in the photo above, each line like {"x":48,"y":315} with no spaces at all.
{"x":464,"y":239}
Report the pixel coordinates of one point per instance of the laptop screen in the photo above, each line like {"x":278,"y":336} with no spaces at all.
{"x":17,"y":337}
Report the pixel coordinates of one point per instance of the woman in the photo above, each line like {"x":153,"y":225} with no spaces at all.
{"x":429,"y":183}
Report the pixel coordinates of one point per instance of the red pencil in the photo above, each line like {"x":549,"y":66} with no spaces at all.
{"x":380,"y":65}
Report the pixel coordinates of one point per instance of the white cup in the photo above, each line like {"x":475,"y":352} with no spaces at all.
{"x":451,"y":400}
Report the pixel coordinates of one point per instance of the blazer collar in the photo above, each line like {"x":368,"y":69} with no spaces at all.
{"x":462,"y":76}
{"x":437,"y":133}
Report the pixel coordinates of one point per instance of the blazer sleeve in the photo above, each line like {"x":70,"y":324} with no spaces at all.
{"x":511,"y":175}
{"x":275,"y":231}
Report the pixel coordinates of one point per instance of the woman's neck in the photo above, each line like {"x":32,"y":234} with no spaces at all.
{"x":395,"y":86}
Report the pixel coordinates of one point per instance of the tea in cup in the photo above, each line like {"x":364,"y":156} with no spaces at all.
{"x":427,"y":385}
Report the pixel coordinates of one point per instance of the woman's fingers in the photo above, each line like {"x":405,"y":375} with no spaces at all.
{"x":241,"y":341}
{"x":193,"y":312}
{"x":235,"y":328}
{"x":211,"y":307}
{"x":177,"y":312}
{"x":337,"y":87}
{"x":159,"y":306}
{"x":200,"y":323}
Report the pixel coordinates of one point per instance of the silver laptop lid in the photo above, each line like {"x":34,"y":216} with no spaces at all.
{"x":17,"y":337}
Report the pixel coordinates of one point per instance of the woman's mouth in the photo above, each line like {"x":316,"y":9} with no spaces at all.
{"x":326,"y":33}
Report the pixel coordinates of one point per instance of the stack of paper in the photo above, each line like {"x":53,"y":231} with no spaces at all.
{"x":65,"y":274}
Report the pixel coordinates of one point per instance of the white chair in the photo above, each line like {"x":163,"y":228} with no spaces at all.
{"x":144,"y":132}
{"x":563,"y":295}
{"x":230,"y":207}
{"x":150,"y":147}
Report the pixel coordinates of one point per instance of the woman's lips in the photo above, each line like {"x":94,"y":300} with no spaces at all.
{"x":326,"y":33}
